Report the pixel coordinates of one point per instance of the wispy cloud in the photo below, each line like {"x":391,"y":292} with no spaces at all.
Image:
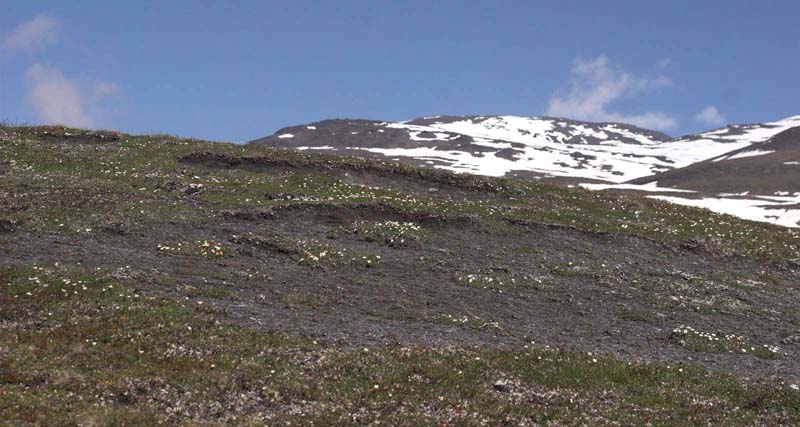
{"x":710,"y":116}
{"x":59,"y":100}
{"x":54,"y":98}
{"x":596,"y":84}
{"x":32,"y":35}
{"x":101,"y":90}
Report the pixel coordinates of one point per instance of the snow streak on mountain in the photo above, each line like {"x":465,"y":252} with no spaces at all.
{"x":511,"y":145}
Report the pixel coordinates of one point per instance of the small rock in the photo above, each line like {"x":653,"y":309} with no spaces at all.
{"x":502,"y":386}
{"x":792,"y":339}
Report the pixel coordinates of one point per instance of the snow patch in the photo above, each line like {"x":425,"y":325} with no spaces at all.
{"x":438,"y":136}
{"x":651,"y":187}
{"x":615,"y":158}
{"x":752,"y":153}
{"x":323,"y":147}
{"x":776,"y":210}
{"x":748,"y":133}
{"x":285,"y":135}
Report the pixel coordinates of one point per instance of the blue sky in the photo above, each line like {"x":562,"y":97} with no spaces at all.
{"x":238,"y":70}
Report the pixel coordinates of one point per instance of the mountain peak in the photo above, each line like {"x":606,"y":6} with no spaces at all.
{"x":505,"y":145}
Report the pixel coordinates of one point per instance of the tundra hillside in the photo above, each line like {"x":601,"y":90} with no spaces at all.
{"x":158,"y":280}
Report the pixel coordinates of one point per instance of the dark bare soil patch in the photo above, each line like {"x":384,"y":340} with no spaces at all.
{"x":576,"y":285}
{"x":422,"y":181}
{"x":74,"y":136}
{"x":334,"y":214}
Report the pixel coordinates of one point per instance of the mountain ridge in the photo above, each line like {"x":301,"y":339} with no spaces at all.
{"x":775,"y":157}
{"x":505,"y":145}
{"x":597,"y":155}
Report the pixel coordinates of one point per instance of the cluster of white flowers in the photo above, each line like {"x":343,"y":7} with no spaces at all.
{"x":710,"y":303}
{"x":672,"y":221}
{"x":729,"y":343}
{"x":203,"y":248}
{"x":473,"y":322}
{"x":710,"y":336}
{"x":391,"y":233}
{"x":180,"y":350}
{"x":314,"y":189}
{"x":483,"y":280}
{"x":36,"y":285}
{"x":112,"y":168}
{"x":486,"y":281}
{"x":399,"y":227}
{"x":317,"y":255}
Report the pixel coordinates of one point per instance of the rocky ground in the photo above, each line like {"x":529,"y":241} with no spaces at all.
{"x":377,"y":292}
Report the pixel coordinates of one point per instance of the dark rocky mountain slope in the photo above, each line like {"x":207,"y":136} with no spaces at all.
{"x":769,"y":167}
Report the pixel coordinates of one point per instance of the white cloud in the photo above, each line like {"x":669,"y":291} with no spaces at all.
{"x":101,"y":90}
{"x":711,"y":116}
{"x":650,"y":120}
{"x":59,"y":100}
{"x":596,"y":84}
{"x":32,"y":35}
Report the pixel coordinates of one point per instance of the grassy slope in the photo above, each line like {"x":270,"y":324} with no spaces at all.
{"x":78,"y":347}
{"x":71,"y":187}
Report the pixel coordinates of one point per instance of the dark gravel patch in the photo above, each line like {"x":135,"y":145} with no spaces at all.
{"x":575,"y":290}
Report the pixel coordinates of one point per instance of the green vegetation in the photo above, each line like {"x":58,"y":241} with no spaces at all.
{"x":309,"y":252}
{"x":210,"y":291}
{"x":389,"y":233}
{"x":501,"y":281}
{"x":317,"y":254}
{"x":637,"y":315}
{"x":202,"y":248}
{"x":709,"y":342}
{"x":571,"y":269}
{"x":142,"y":178}
{"x":295,"y":299}
{"x":81,"y":348}
{"x":85,"y":346}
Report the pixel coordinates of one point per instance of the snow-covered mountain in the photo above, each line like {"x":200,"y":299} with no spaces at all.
{"x":524,"y":146}
{"x":511,"y":145}
{"x":760,"y":181}
{"x":595,"y":155}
